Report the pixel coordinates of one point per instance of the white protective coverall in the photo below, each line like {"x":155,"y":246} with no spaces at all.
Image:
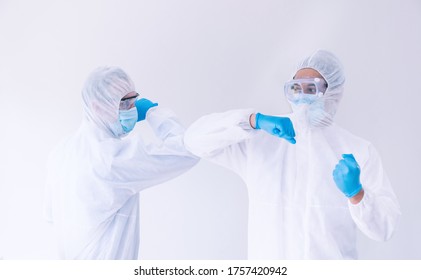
{"x":94,"y":178}
{"x":295,"y":209}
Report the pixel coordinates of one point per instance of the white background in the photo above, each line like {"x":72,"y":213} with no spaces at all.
{"x":198,"y":57}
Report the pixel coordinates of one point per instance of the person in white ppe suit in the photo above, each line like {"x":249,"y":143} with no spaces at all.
{"x":95,"y":176}
{"x":311,"y":184}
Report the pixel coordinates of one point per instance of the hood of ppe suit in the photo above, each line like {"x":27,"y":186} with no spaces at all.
{"x":101,"y":96}
{"x":321,"y":112}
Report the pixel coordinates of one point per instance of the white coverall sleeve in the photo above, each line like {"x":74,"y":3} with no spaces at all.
{"x":169,"y":130}
{"x":158,"y":162}
{"x":222,"y":138}
{"x":376,"y":215}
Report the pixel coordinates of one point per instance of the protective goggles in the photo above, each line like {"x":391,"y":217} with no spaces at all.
{"x":128,"y":102}
{"x":315,"y":87}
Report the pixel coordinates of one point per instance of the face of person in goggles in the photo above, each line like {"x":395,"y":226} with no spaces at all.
{"x":127,"y":102}
{"x":306,"y":86}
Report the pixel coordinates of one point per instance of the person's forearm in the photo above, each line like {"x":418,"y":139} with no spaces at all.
{"x":215,"y":132}
{"x":376,"y":215}
{"x":164,"y":123}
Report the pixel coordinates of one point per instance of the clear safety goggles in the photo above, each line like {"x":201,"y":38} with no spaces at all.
{"x":128,"y":102}
{"x":314,"y":87}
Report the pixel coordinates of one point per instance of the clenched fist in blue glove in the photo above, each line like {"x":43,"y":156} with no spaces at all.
{"x":277,"y":126}
{"x":347,"y":176}
{"x":142,"y":106}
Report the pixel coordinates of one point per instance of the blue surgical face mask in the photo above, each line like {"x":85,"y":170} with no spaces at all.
{"x":128,"y":119}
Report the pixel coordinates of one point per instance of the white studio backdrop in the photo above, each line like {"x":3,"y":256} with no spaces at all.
{"x":198,"y":57}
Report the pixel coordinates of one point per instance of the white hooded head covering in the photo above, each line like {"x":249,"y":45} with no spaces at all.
{"x":101,"y":97}
{"x":321,"y":112}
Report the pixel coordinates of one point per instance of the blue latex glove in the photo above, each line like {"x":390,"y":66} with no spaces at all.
{"x":277,"y":126}
{"x":142,"y":106}
{"x":347,"y":175}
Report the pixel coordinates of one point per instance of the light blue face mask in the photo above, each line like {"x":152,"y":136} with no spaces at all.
{"x":303,"y":98}
{"x":128,"y":119}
